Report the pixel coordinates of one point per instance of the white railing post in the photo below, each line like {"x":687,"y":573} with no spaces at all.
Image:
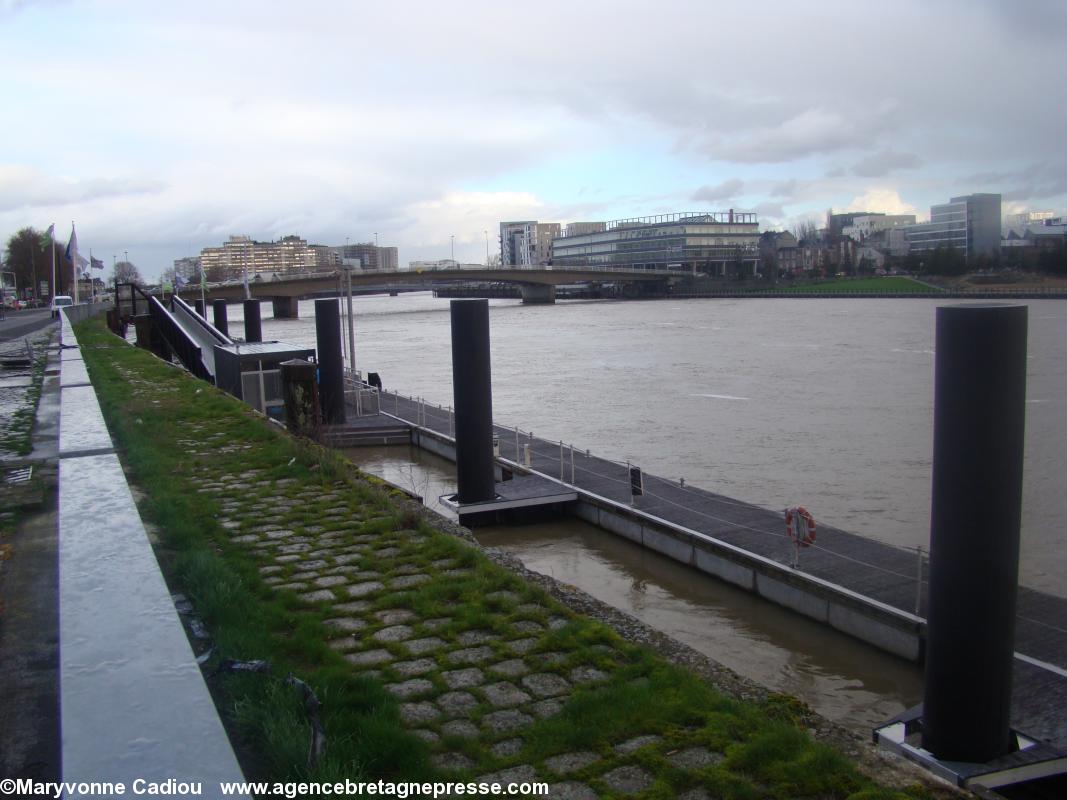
{"x":561,"y":460}
{"x":572,"y":464}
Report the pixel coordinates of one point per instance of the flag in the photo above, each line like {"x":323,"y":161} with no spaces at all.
{"x":72,"y":245}
{"x":96,"y":263}
{"x":179,"y":282}
{"x":48,"y":235}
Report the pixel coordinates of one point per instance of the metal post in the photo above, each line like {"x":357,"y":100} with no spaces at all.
{"x":572,"y":465}
{"x":918,"y":579}
{"x":473,"y":400}
{"x":450,"y":420}
{"x":218,"y":310}
{"x":526,"y":454}
{"x":561,"y":459}
{"x":253,"y":324}
{"x":331,"y":363}
{"x":516,"y":444}
{"x":979,"y":416}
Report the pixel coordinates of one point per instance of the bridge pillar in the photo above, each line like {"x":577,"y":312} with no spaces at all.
{"x":218,"y":310}
{"x":285,"y":307}
{"x":538,"y":293}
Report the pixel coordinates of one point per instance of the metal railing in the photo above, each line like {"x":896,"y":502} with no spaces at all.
{"x":692,"y":507}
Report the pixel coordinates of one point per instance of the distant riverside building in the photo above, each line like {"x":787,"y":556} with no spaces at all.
{"x":1020,"y":222}
{"x":869,"y":224}
{"x":187,"y":268}
{"x":372,"y":257}
{"x":716,"y":243}
{"x":579,"y":228}
{"x":242,"y":254}
{"x":527,"y":243}
{"x":969,"y":223}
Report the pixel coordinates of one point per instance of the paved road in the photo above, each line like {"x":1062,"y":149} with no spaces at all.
{"x":17,"y":324}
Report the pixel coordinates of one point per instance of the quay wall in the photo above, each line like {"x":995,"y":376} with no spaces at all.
{"x":878,"y":624}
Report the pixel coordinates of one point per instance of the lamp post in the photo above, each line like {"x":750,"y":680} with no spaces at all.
{"x":486,"y":248}
{"x":453,"y":237}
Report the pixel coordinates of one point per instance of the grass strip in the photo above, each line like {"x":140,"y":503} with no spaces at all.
{"x":219,"y":482}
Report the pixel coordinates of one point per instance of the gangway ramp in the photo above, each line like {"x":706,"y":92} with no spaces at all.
{"x":190,"y":336}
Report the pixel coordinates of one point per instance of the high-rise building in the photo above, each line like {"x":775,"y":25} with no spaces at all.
{"x":527,"y":243}
{"x":371,"y":257}
{"x":714,"y":243}
{"x":242,"y":255}
{"x":968,"y":223}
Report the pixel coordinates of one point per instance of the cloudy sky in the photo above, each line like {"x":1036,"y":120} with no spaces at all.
{"x":161,"y":128}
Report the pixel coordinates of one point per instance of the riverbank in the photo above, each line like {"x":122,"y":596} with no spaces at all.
{"x":432,"y":657}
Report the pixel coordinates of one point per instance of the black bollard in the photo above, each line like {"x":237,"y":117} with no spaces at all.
{"x":979,"y":416}
{"x":331,"y":365}
{"x":200,"y":309}
{"x":253,"y":324}
{"x":222,"y":325}
{"x":473,"y":397}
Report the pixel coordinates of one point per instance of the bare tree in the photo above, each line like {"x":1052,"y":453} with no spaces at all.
{"x":125,"y":272}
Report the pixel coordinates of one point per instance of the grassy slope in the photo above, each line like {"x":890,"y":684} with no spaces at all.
{"x":163,"y":420}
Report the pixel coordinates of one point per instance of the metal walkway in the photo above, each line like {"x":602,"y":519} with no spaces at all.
{"x":891,"y":575}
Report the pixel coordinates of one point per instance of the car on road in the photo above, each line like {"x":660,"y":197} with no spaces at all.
{"x":60,"y":301}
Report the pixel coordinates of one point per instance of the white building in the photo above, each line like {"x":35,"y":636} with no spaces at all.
{"x":862,"y":227}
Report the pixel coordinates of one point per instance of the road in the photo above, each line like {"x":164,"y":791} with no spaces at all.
{"x":17,"y":324}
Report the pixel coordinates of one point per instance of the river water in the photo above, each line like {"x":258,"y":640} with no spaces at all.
{"x":822,"y":403}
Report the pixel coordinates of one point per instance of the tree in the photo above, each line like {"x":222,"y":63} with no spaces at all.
{"x":125,"y":272}
{"x":945,"y":260}
{"x":27,"y":256}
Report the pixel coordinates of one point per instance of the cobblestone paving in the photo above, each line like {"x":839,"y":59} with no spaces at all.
{"x":472,"y":685}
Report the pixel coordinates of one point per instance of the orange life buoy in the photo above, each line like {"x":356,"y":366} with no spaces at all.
{"x":801,"y":515}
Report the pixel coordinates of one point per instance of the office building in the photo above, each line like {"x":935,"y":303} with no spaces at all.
{"x":714,"y":243}
{"x":372,"y":258}
{"x":527,"y":243}
{"x":969,"y":223}
{"x":869,"y":224}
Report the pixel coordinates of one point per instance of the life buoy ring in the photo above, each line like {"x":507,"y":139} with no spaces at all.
{"x":801,"y":515}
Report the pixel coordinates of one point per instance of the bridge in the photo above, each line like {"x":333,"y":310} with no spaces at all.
{"x":538,"y":285}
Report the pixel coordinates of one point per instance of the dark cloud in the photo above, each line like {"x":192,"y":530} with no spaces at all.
{"x":879,"y":164}
{"x":726,"y":190}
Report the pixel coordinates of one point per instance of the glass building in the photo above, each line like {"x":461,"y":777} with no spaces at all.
{"x":970,"y":224}
{"x":716,"y":243}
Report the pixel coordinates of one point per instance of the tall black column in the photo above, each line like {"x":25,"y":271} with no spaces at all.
{"x":200,"y":309}
{"x":253,"y":324}
{"x":979,"y":411}
{"x":473,"y":398}
{"x":218,"y":309}
{"x":331,"y":364}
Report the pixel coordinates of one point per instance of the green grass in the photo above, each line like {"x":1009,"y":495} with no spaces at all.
{"x":163,"y":421}
{"x":889,"y":285}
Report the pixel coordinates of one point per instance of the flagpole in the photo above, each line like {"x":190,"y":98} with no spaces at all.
{"x":52,"y":247}
{"x":92,"y":283}
{"x":74,"y":258}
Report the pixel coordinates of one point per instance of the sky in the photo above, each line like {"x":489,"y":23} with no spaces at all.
{"x":162,"y":128}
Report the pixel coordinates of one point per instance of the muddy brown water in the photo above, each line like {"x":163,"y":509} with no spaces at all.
{"x":841,"y":678}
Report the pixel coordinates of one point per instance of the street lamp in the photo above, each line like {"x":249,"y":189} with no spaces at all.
{"x":453,"y":237}
{"x":486,"y":247}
